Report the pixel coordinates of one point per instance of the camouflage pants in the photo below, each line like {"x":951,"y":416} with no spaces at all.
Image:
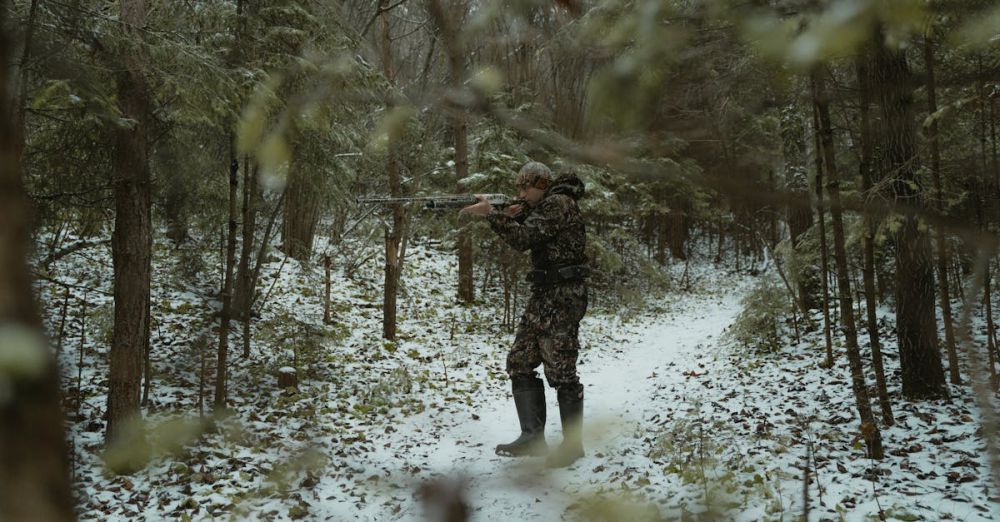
{"x":547,"y":334}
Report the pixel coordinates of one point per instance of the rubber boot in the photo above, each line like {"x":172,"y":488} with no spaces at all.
{"x":529,"y":399}
{"x":571,"y":415}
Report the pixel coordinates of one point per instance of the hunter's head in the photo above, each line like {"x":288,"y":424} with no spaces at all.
{"x":532,"y":180}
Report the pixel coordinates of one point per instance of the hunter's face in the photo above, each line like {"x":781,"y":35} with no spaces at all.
{"x":530,"y":194}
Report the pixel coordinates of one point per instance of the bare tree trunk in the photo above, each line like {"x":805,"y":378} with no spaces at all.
{"x":131,"y":242}
{"x":677,"y":235}
{"x":916,"y":323}
{"x":869,"y":430}
{"x":868,"y":242}
{"x":326,"y":290}
{"x":243,"y":296}
{"x":465,"y":255}
{"x":147,"y":365}
{"x":83,"y":346}
{"x":824,"y":268}
{"x":226,"y":292}
{"x":393,"y":236}
{"x":799,"y":218}
{"x":995,"y":158}
{"x":722,"y":235}
{"x":772,"y":214}
{"x":647,"y":227}
{"x":447,"y":20}
{"x":390,"y":284}
{"x":222,"y":366}
{"x":201,"y":375}
{"x":300,"y":216}
{"x":466,"y":289}
{"x":798,"y":212}
{"x":983,"y":125}
{"x":736,"y":243}
{"x":22,"y":80}
{"x":990,"y":325}
{"x":34,"y":466}
{"x":991,"y":347}
{"x":993,"y":144}
{"x":246,"y":334}
{"x":942,"y":244}
{"x":661,"y":238}
{"x":62,"y":324}
{"x":244,"y":274}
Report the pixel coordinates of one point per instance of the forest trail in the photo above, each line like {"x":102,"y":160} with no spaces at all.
{"x":624,"y":389}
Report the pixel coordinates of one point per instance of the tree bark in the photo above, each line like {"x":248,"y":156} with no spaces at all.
{"x":991,"y":347}
{"x":677,"y":236}
{"x":147,"y":364}
{"x":465,"y":254}
{"x":244,"y":274}
{"x":916,"y":323}
{"x":300,"y":216}
{"x":222,"y":363}
{"x":868,"y":241}
{"x":995,"y":157}
{"x":22,"y":79}
{"x":390,"y":286}
{"x":798,"y":214}
{"x":722,"y":236}
{"x":983,"y":204}
{"x":661,"y":238}
{"x":942,"y":245}
{"x":824,"y":268}
{"x":447,"y":20}
{"x":869,"y":430}
{"x":34,"y":467}
{"x":326,"y":290}
{"x":243,"y":296}
{"x":131,"y":242}
{"x":393,"y":235}
{"x":245,"y":280}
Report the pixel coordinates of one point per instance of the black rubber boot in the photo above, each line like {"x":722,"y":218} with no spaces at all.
{"x":571,"y":415}
{"x":529,"y":399}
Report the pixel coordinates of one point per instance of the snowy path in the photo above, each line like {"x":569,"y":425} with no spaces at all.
{"x":621,"y":382}
{"x":674,"y":424}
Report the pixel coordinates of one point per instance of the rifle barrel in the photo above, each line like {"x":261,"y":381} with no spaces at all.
{"x":439,"y":202}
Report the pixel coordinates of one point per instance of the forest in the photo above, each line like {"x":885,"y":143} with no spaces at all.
{"x":224,"y":294}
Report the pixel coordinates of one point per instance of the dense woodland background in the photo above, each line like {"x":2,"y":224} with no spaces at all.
{"x":851,"y":144}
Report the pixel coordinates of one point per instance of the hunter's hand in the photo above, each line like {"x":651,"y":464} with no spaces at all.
{"x":479,"y":209}
{"x":513,"y":210}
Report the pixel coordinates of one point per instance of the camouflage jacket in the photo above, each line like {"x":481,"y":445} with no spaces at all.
{"x":553,"y":230}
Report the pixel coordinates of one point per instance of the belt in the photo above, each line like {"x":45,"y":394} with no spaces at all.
{"x":558,"y":275}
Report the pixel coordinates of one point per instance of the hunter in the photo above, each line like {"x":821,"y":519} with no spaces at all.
{"x":550,"y":226}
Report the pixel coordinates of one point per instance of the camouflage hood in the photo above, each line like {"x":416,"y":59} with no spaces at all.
{"x":553,"y":230}
{"x":568,"y":185}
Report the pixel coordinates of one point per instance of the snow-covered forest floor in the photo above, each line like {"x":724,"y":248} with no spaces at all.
{"x":679,"y":423}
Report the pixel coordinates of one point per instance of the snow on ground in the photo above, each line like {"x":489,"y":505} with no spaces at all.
{"x":678,"y":424}
{"x":621,"y":369}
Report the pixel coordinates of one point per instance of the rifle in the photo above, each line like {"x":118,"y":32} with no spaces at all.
{"x":444,"y":201}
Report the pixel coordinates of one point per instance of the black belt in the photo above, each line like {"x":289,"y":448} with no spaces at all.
{"x":558,"y":275}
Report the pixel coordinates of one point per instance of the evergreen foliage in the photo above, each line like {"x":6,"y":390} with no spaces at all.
{"x":698,"y":129}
